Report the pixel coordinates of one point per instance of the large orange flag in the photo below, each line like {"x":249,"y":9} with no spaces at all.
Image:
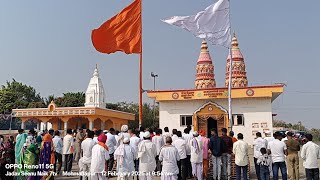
{"x":120,"y":33}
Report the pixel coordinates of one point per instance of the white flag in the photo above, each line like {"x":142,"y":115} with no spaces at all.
{"x":212,"y":24}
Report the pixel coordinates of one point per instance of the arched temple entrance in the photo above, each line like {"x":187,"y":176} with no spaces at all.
{"x":210,"y":115}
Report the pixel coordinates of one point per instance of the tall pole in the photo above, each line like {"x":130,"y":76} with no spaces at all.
{"x":140,"y":75}
{"x":229,"y":90}
{"x":154,"y":101}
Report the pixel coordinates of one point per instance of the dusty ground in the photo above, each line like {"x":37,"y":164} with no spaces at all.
{"x":75,"y":168}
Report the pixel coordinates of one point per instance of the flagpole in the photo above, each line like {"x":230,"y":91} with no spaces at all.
{"x":140,"y":76}
{"x":229,"y":91}
{"x":230,"y":77}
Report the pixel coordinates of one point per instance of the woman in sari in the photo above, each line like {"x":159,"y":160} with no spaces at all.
{"x":20,"y":141}
{"x":46,"y":152}
{"x":30,"y":157}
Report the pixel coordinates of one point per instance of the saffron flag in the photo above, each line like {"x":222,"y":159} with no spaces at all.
{"x":120,"y":33}
{"x":212,"y":24}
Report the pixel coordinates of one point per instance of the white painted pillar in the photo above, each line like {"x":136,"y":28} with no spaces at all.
{"x":46,"y":125}
{"x":65,"y":127}
{"x":39,"y":125}
{"x":102,"y":125}
{"x":91,"y":125}
{"x":23,"y":125}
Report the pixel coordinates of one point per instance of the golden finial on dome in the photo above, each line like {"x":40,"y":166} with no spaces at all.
{"x":234,"y":42}
{"x":204,"y":46}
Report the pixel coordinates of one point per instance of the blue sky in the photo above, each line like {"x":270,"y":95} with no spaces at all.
{"x":47,"y":44}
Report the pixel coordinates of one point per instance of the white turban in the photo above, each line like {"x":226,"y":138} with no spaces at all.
{"x":126,"y":140}
{"x":124,"y":128}
{"x":146,"y":134}
{"x":195,"y":133}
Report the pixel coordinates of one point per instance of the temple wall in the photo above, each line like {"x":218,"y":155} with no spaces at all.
{"x":254,"y":110}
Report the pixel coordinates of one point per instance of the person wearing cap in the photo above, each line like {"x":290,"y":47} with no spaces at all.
{"x":310,"y":153}
{"x":79,"y":139}
{"x":99,"y":158}
{"x":258,"y":143}
{"x":86,"y":148}
{"x":125,"y":156}
{"x":196,"y":156}
{"x":226,"y":155}
{"x":123,"y":134}
{"x":181,"y":144}
{"x":111,"y":143}
{"x":158,"y":141}
{"x":147,"y":152}
{"x":169,"y":156}
{"x":278,"y":151}
{"x":205,"y":148}
{"x":293,"y":157}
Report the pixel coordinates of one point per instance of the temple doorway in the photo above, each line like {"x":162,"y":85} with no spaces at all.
{"x":211,"y":124}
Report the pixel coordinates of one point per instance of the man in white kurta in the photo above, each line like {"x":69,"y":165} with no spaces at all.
{"x":196,"y":156}
{"x":147,"y":153}
{"x":169,"y":156}
{"x":123,"y":134}
{"x":125,"y":156}
{"x":158,"y":141}
{"x":100,"y":155}
{"x":85,"y":161}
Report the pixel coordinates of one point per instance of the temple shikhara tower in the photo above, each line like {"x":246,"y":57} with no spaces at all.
{"x":205,"y":69}
{"x":95,"y":96}
{"x":239,"y":74}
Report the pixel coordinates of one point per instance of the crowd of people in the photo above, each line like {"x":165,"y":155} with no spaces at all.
{"x":282,"y":152}
{"x":144,"y":153}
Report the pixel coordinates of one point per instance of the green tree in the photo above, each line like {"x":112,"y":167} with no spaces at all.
{"x":69,"y":99}
{"x":148,"y":115}
{"x":16,"y":95}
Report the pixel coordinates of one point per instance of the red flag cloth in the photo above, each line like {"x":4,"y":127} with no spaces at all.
{"x":120,"y":33}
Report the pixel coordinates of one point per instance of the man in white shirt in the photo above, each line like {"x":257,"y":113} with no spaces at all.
{"x":134,"y":141}
{"x":111,"y":143}
{"x":278,"y":150}
{"x":181,"y":144}
{"x":310,"y":154}
{"x":125,"y":156}
{"x":174,"y":135}
{"x":258,"y":143}
{"x":86,"y":147}
{"x":187,"y":136}
{"x":100,"y":155}
{"x":96,"y":134}
{"x":57,"y":144}
{"x":169,"y":156}
{"x":196,"y":156}
{"x":240,"y":150}
{"x":158,"y":141}
{"x":142,"y":130}
{"x":68,"y":150}
{"x":166,"y":133}
{"x":146,"y":153}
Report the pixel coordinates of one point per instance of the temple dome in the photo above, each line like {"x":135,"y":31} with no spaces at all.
{"x":205,"y":69}
{"x":95,"y":94}
{"x":239,"y":74}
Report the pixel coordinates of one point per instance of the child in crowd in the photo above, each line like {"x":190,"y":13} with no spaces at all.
{"x":264,"y":162}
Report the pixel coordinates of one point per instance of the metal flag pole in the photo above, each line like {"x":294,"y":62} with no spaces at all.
{"x":229,"y":90}
{"x":230,"y":77}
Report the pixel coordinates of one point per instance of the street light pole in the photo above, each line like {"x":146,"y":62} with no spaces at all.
{"x":154,"y":101}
